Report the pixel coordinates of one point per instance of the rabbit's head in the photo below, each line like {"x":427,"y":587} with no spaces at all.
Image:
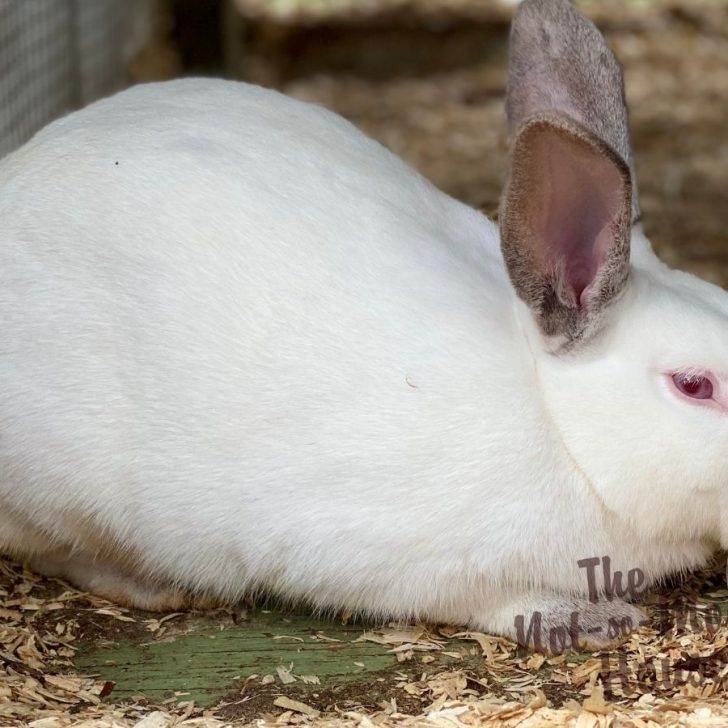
{"x":631,"y":357}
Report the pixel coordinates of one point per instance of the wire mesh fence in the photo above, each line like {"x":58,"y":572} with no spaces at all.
{"x":58,"y":55}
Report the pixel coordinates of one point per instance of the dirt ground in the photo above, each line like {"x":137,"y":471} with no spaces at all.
{"x":427,"y":80}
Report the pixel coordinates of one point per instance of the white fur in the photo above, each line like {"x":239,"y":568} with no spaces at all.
{"x":261,"y":353}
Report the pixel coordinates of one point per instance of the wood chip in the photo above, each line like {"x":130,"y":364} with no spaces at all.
{"x":296,"y":706}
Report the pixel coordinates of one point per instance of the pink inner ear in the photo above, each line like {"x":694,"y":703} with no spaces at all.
{"x":578,"y":197}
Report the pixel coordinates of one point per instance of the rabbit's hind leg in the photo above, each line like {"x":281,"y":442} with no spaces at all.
{"x":112,"y":583}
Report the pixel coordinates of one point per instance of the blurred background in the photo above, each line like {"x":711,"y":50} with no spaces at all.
{"x":425,"y":77}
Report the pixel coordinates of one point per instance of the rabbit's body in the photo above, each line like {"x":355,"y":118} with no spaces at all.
{"x":246,"y":348}
{"x":251,"y":367}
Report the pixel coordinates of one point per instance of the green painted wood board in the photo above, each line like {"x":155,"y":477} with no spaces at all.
{"x":204,"y":659}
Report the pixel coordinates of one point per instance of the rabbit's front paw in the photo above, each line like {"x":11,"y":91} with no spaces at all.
{"x":552,"y":625}
{"x":605,"y":624}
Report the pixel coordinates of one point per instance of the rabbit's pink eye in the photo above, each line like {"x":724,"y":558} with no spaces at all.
{"x":697,"y":387}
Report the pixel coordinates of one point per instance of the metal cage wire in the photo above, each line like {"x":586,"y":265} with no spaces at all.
{"x":59,"y":55}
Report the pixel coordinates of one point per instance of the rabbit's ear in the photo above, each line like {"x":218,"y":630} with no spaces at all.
{"x":568,"y":205}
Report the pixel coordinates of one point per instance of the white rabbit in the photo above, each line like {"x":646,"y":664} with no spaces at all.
{"x":245,"y":348}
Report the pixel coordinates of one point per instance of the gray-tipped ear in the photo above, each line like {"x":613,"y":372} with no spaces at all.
{"x":569,"y":202}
